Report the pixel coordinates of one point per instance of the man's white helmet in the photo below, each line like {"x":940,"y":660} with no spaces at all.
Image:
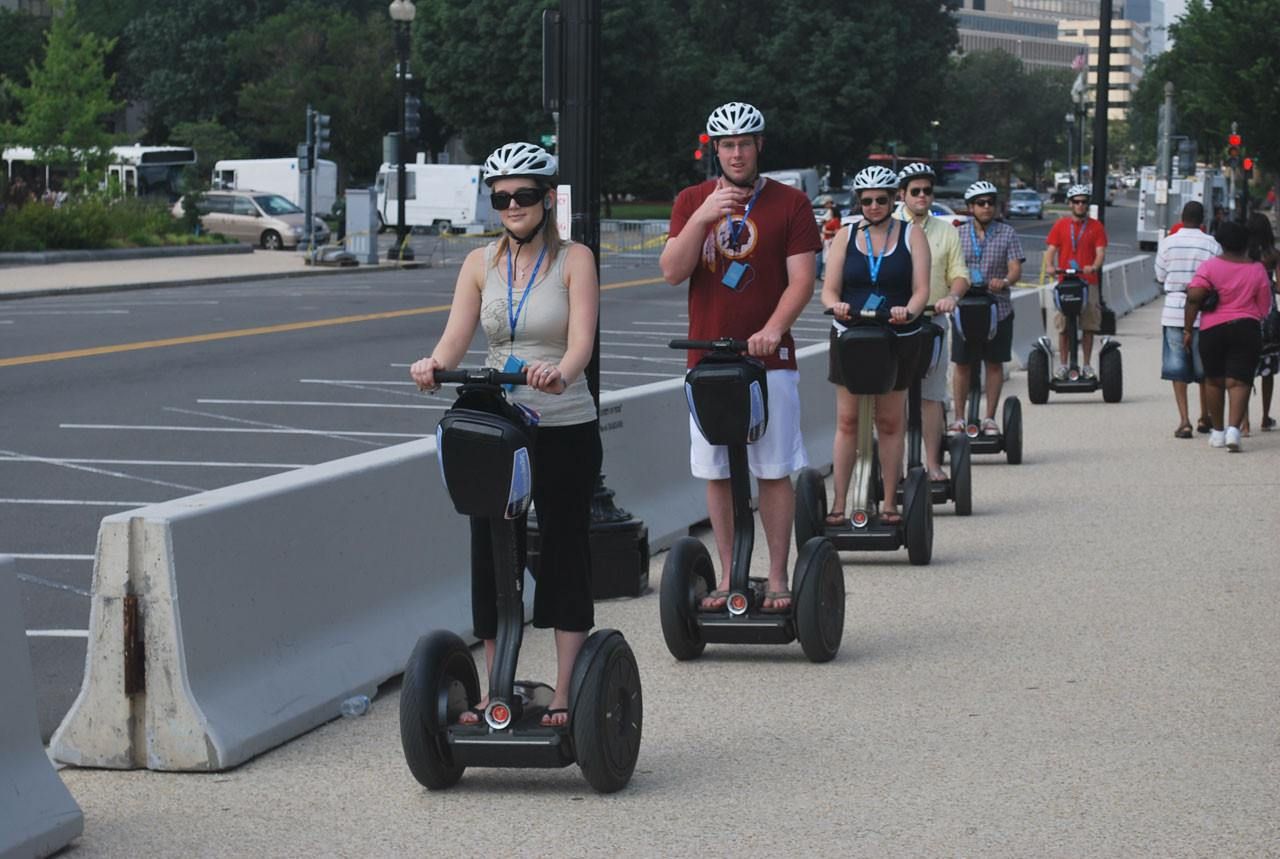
{"x":915,"y":170}
{"x":736,"y":117}
{"x":519,"y":159}
{"x":1079,"y":191}
{"x":875,"y":177}
{"x":981,"y":188}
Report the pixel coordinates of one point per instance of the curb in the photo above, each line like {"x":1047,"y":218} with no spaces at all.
{"x":201,"y":281}
{"x":112,"y":254}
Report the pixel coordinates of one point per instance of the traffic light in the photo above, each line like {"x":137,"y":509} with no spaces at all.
{"x":1234,"y":140}
{"x":1247,"y":164}
{"x":700,"y":153}
{"x":412,"y":117}
{"x":321,"y":132}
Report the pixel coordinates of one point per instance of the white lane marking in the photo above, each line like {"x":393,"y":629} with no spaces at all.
{"x":630,"y":333}
{"x":62,"y":463}
{"x":639,"y":373}
{"x":71,"y":502}
{"x":47,"y":583}
{"x":264,"y":430}
{"x":182,"y":463}
{"x":6,"y":321}
{"x":65,"y":312}
{"x":318,"y":403}
{"x":680,"y":316}
{"x":57,"y":633}
{"x":643,"y":358}
{"x":263,"y":424}
{"x":353,"y":382}
{"x":36,"y":556}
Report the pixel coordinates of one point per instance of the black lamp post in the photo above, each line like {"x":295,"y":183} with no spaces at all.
{"x":402,"y":12}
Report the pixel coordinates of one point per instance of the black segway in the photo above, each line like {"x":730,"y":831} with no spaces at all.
{"x":729,"y":399}
{"x":484,"y":447}
{"x":974,"y":321}
{"x":874,"y":359}
{"x":1070,"y":296}
{"x":958,"y":487}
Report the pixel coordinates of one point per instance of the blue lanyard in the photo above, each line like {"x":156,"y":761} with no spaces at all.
{"x":735,"y":227}
{"x":514,"y":318}
{"x":1075,"y":239}
{"x":978,"y":245}
{"x":874,"y":262}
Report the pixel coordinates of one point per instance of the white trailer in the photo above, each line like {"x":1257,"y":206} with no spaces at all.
{"x":445,"y":197}
{"x":801,"y":178}
{"x":1160,"y":204}
{"x":279,"y":176}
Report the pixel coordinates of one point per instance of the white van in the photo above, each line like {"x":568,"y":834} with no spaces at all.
{"x":445,"y":197}
{"x":279,"y":176}
{"x":802,"y":178}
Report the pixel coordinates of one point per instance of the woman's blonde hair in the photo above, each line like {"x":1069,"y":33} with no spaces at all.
{"x":550,"y":230}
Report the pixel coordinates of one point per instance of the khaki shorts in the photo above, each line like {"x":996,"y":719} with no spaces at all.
{"x":1090,"y":316}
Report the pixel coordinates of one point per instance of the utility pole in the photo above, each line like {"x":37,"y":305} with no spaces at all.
{"x":1101,"y":109}
{"x":1164,"y":169}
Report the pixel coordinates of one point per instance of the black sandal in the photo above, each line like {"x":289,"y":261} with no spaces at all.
{"x":1183,"y":431}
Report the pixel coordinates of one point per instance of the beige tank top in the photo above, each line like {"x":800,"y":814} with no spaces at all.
{"x":542,"y":334}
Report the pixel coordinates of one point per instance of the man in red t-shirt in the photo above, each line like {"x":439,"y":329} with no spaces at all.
{"x":747,"y":247}
{"x":1078,"y":242}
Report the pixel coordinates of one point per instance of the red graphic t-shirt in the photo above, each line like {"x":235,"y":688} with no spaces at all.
{"x":780,"y":225}
{"x":1087,"y":241}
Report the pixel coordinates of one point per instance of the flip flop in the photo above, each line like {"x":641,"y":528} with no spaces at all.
{"x":775,"y":596}
{"x":836,"y":518}
{"x":714,"y":595}
{"x":1183,"y":431}
{"x":891,"y":518}
{"x":478,"y":712}
{"x":938,"y":476}
{"x":554,"y":711}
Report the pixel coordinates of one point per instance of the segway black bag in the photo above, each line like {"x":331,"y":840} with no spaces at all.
{"x":485,"y":448}
{"x":974,"y":323}
{"x":866,"y":359}
{"x":729,"y":398}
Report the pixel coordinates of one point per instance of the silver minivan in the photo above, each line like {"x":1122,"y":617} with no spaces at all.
{"x":256,"y":217}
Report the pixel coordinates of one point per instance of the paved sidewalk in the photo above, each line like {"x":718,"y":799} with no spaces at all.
{"x":1090,"y":666}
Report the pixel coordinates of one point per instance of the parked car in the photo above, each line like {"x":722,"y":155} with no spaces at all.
{"x":256,"y":217}
{"x":1025,"y":204}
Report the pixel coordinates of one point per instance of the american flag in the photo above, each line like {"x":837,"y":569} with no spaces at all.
{"x":1079,"y":62}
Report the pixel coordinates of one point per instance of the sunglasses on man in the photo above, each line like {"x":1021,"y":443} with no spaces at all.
{"x":1080,"y":201}
{"x":524,"y":197}
{"x":921,"y":192}
{"x":984,"y":202}
{"x":873,"y":201}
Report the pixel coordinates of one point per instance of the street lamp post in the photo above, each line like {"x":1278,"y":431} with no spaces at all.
{"x":1071,"y":133}
{"x":402,"y":12}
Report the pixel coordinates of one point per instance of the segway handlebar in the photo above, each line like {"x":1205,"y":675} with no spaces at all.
{"x":479,"y":376}
{"x":881,"y":314}
{"x":723,"y":344}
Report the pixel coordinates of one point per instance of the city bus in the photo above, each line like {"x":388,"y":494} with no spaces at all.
{"x":141,"y":171}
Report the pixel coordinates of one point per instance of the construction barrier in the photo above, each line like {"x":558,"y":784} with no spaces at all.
{"x":38,"y":817}
{"x":226,"y":623}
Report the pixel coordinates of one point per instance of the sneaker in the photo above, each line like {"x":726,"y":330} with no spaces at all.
{"x":989,"y":427}
{"x":1061,"y":373}
{"x":955,"y":428}
{"x":1086,"y":372}
{"x":1233,"y":439}
{"x":1217,"y":438}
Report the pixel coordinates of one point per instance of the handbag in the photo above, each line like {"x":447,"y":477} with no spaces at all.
{"x":1210,"y":301}
{"x":1271,"y":328}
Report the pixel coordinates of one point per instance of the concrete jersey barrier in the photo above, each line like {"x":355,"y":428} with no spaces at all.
{"x":38,"y":817}
{"x":228,"y":622}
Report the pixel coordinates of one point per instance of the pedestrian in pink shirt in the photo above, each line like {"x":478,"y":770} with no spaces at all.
{"x":1230,"y":328}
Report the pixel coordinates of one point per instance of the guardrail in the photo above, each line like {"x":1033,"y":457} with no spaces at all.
{"x":38,"y":817}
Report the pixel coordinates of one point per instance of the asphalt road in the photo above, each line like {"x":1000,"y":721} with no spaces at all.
{"x":117,"y":400}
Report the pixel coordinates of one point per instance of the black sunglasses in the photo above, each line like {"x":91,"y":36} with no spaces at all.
{"x":985,"y":201}
{"x":874,"y":201}
{"x":1079,"y":202}
{"x":524,"y":198}
{"x":921,"y":192}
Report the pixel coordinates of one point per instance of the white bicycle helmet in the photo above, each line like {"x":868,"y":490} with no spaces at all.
{"x":981,"y":188}
{"x":875,"y":177}
{"x":736,"y":117}
{"x":915,"y":170}
{"x":519,"y":159}
{"x":1080,"y":191}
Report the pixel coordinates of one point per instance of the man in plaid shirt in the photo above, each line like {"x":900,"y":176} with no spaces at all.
{"x":993,"y":253}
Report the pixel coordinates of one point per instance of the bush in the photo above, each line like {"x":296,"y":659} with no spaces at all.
{"x":90,"y":222}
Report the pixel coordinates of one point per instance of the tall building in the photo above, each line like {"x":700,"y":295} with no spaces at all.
{"x":1128,"y":54}
{"x":996,"y":25}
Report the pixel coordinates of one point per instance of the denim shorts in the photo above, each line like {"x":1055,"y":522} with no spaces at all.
{"x":1176,"y":363}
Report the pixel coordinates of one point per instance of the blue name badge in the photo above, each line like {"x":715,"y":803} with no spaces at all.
{"x":733,"y":277}
{"x":975,"y":277}
{"x":873,"y":302}
{"x":512,"y":365}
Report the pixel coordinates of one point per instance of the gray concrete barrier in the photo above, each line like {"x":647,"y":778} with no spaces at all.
{"x":38,"y":817}
{"x":1028,"y":322}
{"x":1129,"y":284}
{"x":253,"y":610}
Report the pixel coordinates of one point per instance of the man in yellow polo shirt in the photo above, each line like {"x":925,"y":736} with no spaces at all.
{"x":948,"y":281}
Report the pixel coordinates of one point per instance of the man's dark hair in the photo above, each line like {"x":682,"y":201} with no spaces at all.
{"x":1193,"y":214}
{"x":1233,"y":237}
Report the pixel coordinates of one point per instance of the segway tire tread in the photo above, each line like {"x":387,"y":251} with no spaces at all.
{"x":1111,"y":374}
{"x":440,"y":664}
{"x":687,"y":575}
{"x":608,"y":717}
{"x":819,"y":600}
{"x":1013,"y":431}
{"x":1038,"y":377}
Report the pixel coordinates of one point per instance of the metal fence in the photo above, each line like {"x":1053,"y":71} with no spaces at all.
{"x":633,"y":240}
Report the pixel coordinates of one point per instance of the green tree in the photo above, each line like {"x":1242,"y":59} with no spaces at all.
{"x":21,"y":40}
{"x":212,"y":142}
{"x":64,"y":107}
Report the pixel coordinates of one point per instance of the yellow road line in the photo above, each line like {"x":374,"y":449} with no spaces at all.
{"x":94,"y":351}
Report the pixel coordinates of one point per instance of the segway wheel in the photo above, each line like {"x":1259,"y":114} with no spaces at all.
{"x":1111,"y":374}
{"x":687,"y":576}
{"x":811,"y":506}
{"x":819,"y":600}
{"x":440,"y":682}
{"x":1012,"y":431}
{"x":961,"y":475}
{"x":609,"y":716}
{"x":1038,"y":377}
{"x":918,"y":516}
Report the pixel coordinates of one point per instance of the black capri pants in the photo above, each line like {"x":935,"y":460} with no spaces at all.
{"x":1231,"y":350}
{"x":566,"y":467}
